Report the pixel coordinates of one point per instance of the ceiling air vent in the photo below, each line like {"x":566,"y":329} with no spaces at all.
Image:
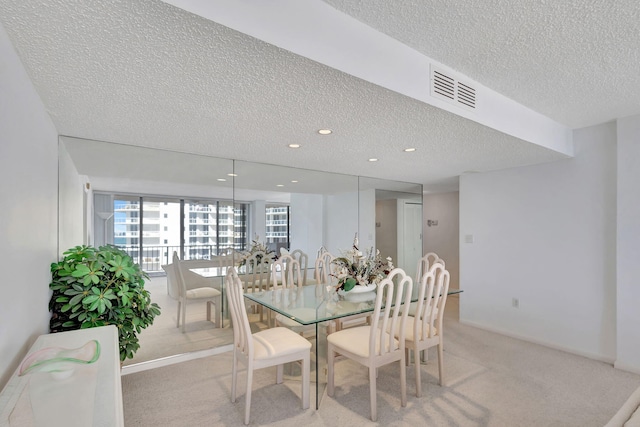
{"x":445,"y":86}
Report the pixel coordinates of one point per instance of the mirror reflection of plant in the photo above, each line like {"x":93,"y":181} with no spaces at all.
{"x":257,"y":246}
{"x":97,"y":287}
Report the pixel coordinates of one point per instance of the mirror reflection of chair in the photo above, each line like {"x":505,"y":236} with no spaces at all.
{"x":269,"y":347}
{"x":257,"y":276}
{"x":424,"y":329}
{"x":211,"y":295}
{"x":322,"y":271}
{"x":303,"y":260}
{"x":425,"y":263}
{"x":286,"y":275}
{"x":375,"y":345}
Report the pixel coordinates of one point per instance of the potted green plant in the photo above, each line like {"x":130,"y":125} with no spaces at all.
{"x":96,"y":287}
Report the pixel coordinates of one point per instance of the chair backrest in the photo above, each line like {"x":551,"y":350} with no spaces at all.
{"x":172,"y":281}
{"x":242,"y":338}
{"x":322,"y":272}
{"x":303,"y":260}
{"x":258,"y":271}
{"x":286,"y":270}
{"x":177,"y":269}
{"x":224,"y":260}
{"x":432,"y":297}
{"x":392,"y":292}
{"x":425,"y":263}
{"x":321,"y":250}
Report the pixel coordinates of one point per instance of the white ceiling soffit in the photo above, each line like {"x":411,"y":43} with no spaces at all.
{"x":146,"y":73}
{"x":317,"y":31}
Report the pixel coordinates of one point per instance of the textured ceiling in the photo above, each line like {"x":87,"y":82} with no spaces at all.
{"x":575,"y":61}
{"x":146,"y":73}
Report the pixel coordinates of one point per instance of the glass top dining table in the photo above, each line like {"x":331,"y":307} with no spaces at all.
{"x":319,"y":305}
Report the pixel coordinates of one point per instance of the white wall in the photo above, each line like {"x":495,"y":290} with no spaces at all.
{"x":545,"y":234}
{"x":71,"y":197}
{"x":387,"y":234}
{"x":29,"y":212}
{"x":443,"y":238}
{"x":341,"y":213}
{"x":367,"y":230}
{"x":628,"y":245}
{"x":306,"y":224}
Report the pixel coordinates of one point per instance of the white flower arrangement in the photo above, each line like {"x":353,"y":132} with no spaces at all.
{"x":354,"y":268}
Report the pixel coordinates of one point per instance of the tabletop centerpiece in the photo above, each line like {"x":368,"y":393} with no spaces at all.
{"x":360,"y":272}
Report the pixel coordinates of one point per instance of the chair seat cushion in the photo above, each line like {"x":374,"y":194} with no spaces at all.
{"x":277,"y":342}
{"x":198,"y":293}
{"x":408,"y":330}
{"x":302,"y":313}
{"x":413,"y":307}
{"x":356,"y":340}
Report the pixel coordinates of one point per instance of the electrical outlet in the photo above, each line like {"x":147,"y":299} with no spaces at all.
{"x":515,"y":303}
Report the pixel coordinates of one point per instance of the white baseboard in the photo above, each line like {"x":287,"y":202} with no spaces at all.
{"x":171,"y":360}
{"x":597,"y":357}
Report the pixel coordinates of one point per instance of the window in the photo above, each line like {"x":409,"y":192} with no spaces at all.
{"x":277,"y":226}
{"x":150,"y":229}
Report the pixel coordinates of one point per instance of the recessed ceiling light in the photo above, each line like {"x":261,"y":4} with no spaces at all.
{"x":294,"y":145}
{"x":279,"y":185}
{"x":232,"y":174}
{"x":409,"y":150}
{"x":221,"y":179}
{"x":294,"y":181}
{"x":373,"y":160}
{"x":325,"y":131}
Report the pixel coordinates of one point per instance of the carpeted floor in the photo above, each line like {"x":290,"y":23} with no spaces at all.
{"x":163,"y":338}
{"x":491,"y":380}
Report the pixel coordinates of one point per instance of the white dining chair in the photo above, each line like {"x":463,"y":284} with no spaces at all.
{"x":269,"y":347}
{"x":212,"y":296}
{"x":257,"y":277}
{"x":375,"y":345}
{"x":424,"y":329}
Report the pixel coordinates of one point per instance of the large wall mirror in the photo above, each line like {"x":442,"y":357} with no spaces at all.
{"x":155,"y":202}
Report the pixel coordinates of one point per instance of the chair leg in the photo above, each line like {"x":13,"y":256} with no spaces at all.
{"x":416,"y":357}
{"x":306,"y":374}
{"x":279,"y":373}
{"x":178,"y":315}
{"x":209,"y":304}
{"x":330,"y":362}
{"x":219,"y":320}
{"x":403,"y":383}
{"x":247,"y":408}
{"x":234,"y":376}
{"x":373,"y":373}
{"x":184,"y":314}
{"x":441,"y":363}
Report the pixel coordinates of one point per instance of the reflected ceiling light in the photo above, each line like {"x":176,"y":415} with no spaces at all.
{"x":232,"y":174}
{"x":221,"y":179}
{"x":373,"y":160}
{"x":279,"y":185}
{"x":325,"y":131}
{"x":294,"y":181}
{"x":294,"y":145}
{"x":409,"y":150}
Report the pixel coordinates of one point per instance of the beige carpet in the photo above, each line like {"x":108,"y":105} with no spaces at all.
{"x":163,"y":338}
{"x":491,"y":380}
